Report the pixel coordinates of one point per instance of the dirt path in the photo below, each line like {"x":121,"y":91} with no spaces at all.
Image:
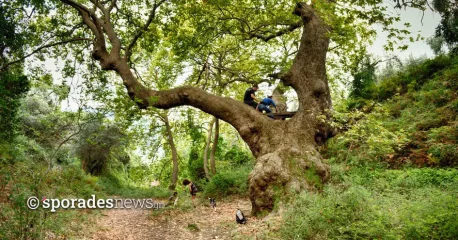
{"x":200,"y":223}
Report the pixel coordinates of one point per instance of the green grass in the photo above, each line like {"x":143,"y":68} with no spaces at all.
{"x":382,"y":204}
{"x":117,"y":186}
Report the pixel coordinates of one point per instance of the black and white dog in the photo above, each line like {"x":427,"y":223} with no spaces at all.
{"x":239,"y":217}
{"x":212,"y":203}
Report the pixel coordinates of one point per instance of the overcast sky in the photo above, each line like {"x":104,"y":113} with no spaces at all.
{"x":426,"y":28}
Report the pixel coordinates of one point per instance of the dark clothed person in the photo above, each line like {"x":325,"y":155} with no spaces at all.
{"x":249,"y":97}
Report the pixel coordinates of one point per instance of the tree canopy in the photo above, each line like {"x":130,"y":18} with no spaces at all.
{"x":201,"y":53}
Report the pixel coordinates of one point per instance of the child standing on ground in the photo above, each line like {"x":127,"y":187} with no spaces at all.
{"x":192,"y":188}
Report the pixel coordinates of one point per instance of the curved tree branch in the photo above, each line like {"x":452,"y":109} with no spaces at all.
{"x":86,"y":13}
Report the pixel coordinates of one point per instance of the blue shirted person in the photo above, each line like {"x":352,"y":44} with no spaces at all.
{"x":264,"y":105}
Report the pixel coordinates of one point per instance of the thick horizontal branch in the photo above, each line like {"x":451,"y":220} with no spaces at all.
{"x":230,"y":110}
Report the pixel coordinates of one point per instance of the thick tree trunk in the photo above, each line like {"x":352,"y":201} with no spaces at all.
{"x":287,"y":160}
{"x":214,"y":147}
{"x":207,"y":147}
{"x":173,"y":149}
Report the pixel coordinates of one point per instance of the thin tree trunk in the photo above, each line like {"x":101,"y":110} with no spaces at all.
{"x":174,"y":179}
{"x":207,"y":146}
{"x":214,"y":147}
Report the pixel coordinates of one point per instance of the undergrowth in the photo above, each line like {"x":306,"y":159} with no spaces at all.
{"x":25,"y":178}
{"x":377,"y":191}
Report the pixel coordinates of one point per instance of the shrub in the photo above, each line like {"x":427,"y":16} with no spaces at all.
{"x":228,"y":183}
{"x":444,"y":154}
{"x":97,"y":146}
{"x":13,"y":86}
{"x":24,"y":179}
{"x":388,"y":204}
{"x":237,"y":156}
{"x":367,"y":140}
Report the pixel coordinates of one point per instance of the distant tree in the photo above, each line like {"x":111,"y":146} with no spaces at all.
{"x":98,"y":144}
{"x":13,"y":83}
{"x":195,"y":158}
{"x":436,"y":44}
{"x":448,"y":27}
{"x":13,"y":86}
{"x":363,"y":77}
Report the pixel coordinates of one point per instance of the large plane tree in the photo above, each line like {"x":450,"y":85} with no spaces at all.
{"x":121,"y":34}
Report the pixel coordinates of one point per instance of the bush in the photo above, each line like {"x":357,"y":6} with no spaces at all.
{"x":390,"y":204}
{"x":368,"y":140}
{"x":13,"y":87}
{"x":232,"y":182}
{"x":237,"y":156}
{"x":29,"y":178}
{"x":444,"y":154}
{"x":98,"y":144}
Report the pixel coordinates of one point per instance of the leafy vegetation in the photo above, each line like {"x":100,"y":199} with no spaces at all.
{"x":376,"y":189}
{"x":75,"y":130}
{"x":388,"y":204}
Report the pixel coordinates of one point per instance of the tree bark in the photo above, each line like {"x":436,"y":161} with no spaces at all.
{"x":214,"y":147}
{"x":280,"y":99}
{"x":287,"y":160}
{"x":173,"y":149}
{"x":207,"y":147}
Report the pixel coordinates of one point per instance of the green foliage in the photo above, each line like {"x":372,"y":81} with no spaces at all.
{"x":448,"y":27}
{"x":369,"y":140}
{"x":363,"y":78}
{"x":193,"y":227}
{"x":141,"y":174}
{"x":196,"y":164}
{"x":30,"y":177}
{"x":195,"y":158}
{"x":411,"y":77}
{"x":116,"y":184}
{"x":98,"y":145}
{"x":229,"y":182}
{"x":436,"y":43}
{"x":389,"y":204}
{"x":444,"y":154}
{"x":13,"y":87}
{"x":414,"y":122}
{"x":237,"y":156}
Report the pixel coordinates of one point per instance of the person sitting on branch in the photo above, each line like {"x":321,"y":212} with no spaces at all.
{"x":249,"y":97}
{"x":264,"y":106}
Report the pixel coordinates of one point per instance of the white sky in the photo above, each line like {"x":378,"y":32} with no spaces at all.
{"x":425,"y":28}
